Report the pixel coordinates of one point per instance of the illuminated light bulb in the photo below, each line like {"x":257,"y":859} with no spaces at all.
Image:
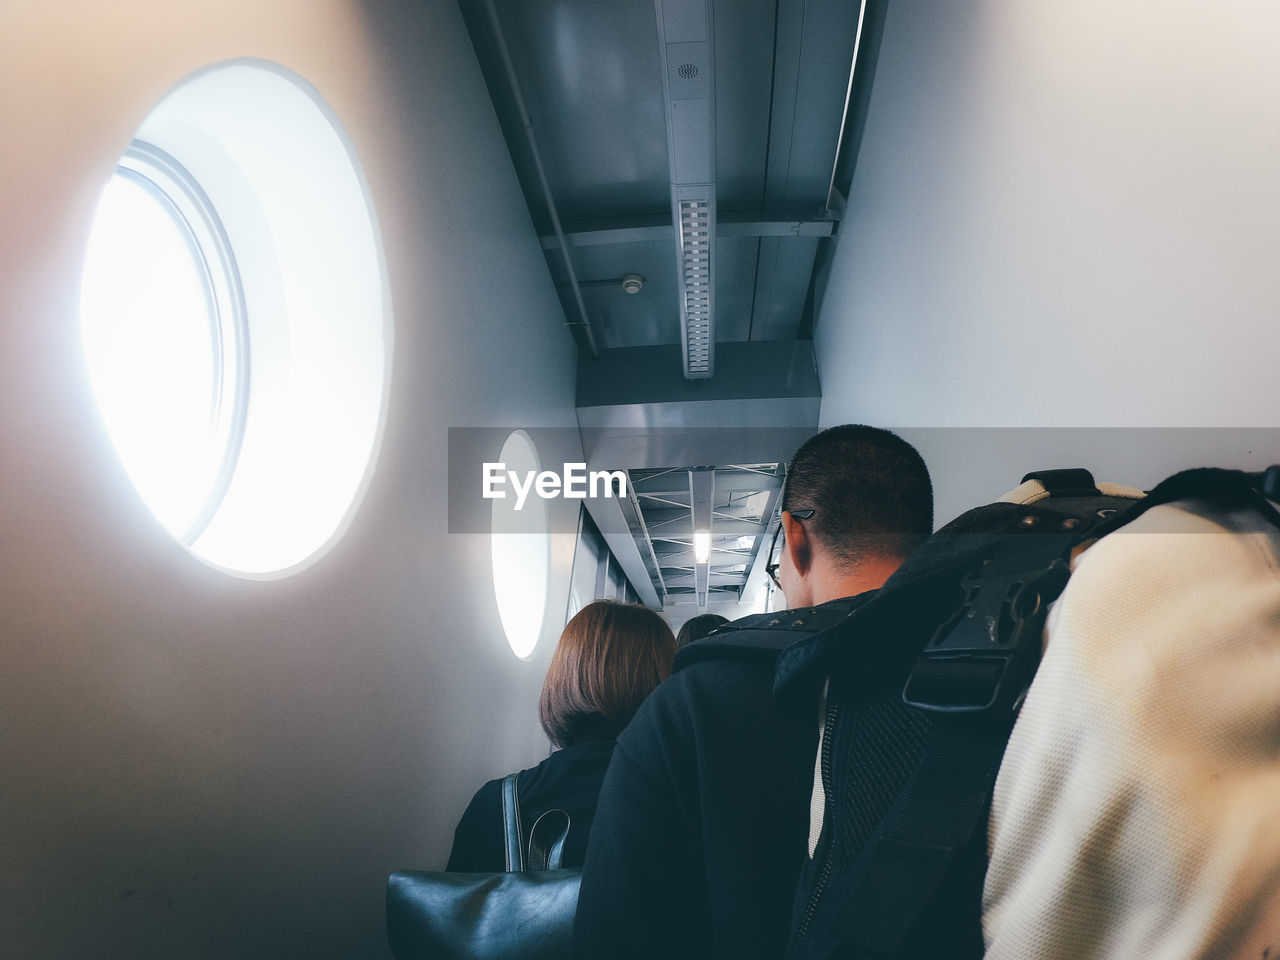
{"x":702,"y":546}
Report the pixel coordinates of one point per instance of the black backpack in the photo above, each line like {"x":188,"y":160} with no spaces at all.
{"x":923,"y":685}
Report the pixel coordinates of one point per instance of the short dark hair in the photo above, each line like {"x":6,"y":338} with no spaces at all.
{"x":695,"y":628}
{"x":869,"y":490}
{"x":610,"y":657}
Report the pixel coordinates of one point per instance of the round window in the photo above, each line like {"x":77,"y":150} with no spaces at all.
{"x":520,"y":551}
{"x":163,"y":326}
{"x":235,"y":319}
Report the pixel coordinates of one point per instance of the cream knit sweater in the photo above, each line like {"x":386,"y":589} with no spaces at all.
{"x":1137,"y":812}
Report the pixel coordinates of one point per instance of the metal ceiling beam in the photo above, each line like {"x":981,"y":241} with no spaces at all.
{"x":721,"y":572}
{"x":667,"y":524}
{"x":588,"y":233}
{"x":762,"y":382}
{"x":687,"y":582}
{"x":727,"y":489}
{"x":526,"y":122}
{"x":814,"y":45}
{"x":848,"y":99}
{"x":715,"y":592}
{"x":727,"y":481}
{"x":640,"y":533}
{"x":686,"y":52}
{"x":760,"y":548}
{"x":610,"y":516}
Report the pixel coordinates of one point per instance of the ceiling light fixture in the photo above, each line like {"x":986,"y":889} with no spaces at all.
{"x":696,"y":217}
{"x":702,"y":546}
{"x":685,"y":44}
{"x":702,"y":491}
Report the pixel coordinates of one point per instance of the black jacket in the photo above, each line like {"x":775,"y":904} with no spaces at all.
{"x":567,"y":780}
{"x":703,"y":819}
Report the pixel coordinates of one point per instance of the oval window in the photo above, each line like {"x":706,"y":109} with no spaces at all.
{"x":520,"y":549}
{"x":162,"y":324}
{"x":235,"y":319}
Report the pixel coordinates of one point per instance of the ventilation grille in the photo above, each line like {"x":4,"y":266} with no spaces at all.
{"x":695,"y":270}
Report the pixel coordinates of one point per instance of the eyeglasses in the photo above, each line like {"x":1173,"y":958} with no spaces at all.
{"x":771,"y":568}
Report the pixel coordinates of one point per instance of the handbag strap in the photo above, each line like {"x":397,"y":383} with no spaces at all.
{"x":546,"y":844}
{"x":511,"y":824}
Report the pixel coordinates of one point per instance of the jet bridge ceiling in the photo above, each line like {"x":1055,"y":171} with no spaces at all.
{"x":735,"y":504}
{"x":685,"y":165}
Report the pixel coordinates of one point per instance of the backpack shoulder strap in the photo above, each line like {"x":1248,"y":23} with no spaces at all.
{"x":981,"y":609}
{"x":1227,"y":489}
{"x":760,"y":638}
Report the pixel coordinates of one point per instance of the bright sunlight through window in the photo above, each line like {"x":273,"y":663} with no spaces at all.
{"x":235,"y":319}
{"x":520,"y":552}
{"x":151,"y":333}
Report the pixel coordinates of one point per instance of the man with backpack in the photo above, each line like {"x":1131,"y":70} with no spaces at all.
{"x":700,"y":833}
{"x":1132,"y":814}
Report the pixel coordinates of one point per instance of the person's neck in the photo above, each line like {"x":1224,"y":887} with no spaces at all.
{"x":830,"y":583}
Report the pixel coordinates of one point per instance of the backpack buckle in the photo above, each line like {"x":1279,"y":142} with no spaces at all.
{"x":983,"y":658}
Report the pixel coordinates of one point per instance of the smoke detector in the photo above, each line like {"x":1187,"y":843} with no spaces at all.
{"x":632,"y":283}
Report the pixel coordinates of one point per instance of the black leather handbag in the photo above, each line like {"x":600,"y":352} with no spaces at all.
{"x":524,"y":913}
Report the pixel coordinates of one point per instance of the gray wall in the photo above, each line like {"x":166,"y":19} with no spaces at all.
{"x":197,"y":765}
{"x":1063,"y":216}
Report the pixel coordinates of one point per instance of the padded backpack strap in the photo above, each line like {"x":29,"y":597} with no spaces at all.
{"x":970,"y":678}
{"x":929,"y":830}
{"x":1075,"y":482}
{"x":760,"y":638}
{"x":1229,"y":489}
{"x":511,"y":824}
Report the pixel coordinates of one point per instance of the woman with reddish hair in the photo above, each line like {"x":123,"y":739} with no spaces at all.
{"x":609,"y":658}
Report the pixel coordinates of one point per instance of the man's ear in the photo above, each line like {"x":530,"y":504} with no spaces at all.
{"x":797,"y":544}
